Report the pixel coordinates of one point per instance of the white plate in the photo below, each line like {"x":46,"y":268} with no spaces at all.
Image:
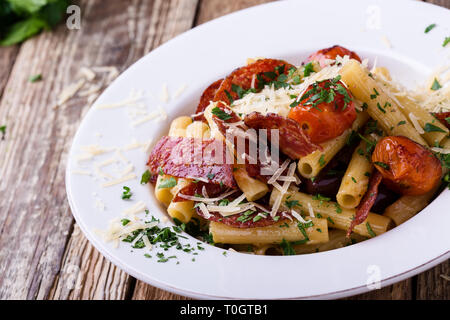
{"x":290,"y":30}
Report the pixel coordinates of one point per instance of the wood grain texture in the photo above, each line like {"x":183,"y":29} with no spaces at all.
{"x":211,"y":9}
{"x":167,"y":19}
{"x":398,"y":291}
{"x":434,"y":284}
{"x":37,"y":251}
{"x":43,"y":255}
{"x":7,"y":58}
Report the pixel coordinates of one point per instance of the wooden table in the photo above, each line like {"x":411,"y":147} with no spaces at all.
{"x":43,"y":254}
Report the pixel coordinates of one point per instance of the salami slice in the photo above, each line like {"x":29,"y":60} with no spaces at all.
{"x":245,"y":220}
{"x":293,"y":142}
{"x":194,"y":159}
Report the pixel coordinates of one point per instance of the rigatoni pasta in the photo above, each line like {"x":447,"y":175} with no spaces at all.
{"x":356,"y":178}
{"x":380,"y":106}
{"x":332,"y":154}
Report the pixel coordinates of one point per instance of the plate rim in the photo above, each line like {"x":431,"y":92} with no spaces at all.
{"x":154,"y":282}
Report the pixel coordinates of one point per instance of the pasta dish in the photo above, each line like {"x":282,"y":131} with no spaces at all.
{"x":282,"y":159}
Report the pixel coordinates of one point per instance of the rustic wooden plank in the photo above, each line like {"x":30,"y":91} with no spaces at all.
{"x":211,"y":9}
{"x":443,"y":3}
{"x":146,"y":292}
{"x":85,"y":274}
{"x":7,"y":58}
{"x":434,"y":284}
{"x":35,"y":219}
{"x":398,"y":291}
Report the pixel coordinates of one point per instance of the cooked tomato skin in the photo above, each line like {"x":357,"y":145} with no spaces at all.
{"x":331,"y":53}
{"x":413,"y":169}
{"x":324,"y":122}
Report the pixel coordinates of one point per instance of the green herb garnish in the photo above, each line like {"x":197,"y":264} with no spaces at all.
{"x":432,"y":128}
{"x":436,"y":85}
{"x":146,"y":177}
{"x":430,"y":27}
{"x":35,"y":78}
{"x":167,"y":183}
{"x":126,"y":194}
{"x":382,"y":164}
{"x":369,"y":230}
{"x":219,"y":113}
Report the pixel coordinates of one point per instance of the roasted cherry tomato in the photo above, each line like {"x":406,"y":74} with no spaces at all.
{"x":331,"y":53}
{"x":325,"y":111}
{"x":407,"y":167}
{"x":260,"y":72}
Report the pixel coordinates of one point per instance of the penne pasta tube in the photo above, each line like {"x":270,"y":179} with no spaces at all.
{"x":407,"y":207}
{"x":197,"y":129}
{"x":339,"y":218}
{"x":356,"y":179}
{"x":272,"y":234}
{"x":417,"y":115}
{"x":253,"y":189}
{"x":178,"y":126}
{"x":310,"y":165}
{"x":380,"y":105}
{"x":337,"y":240}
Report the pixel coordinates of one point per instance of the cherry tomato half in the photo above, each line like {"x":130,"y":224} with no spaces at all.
{"x":325,"y":115}
{"x":331,"y":53}
{"x":407,"y":167}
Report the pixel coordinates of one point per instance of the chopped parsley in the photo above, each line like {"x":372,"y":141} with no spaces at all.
{"x":35,"y":78}
{"x":246,"y":216}
{"x":308,"y":69}
{"x":126,"y":194}
{"x":321,"y":198}
{"x":338,"y":208}
{"x":317,"y":95}
{"x":257,"y":218}
{"x":146,"y":177}
{"x":303,"y":226}
{"x":401,"y":123}
{"x":240,"y":91}
{"x":125,"y":221}
{"x":446,"y":41}
{"x":224,"y":202}
{"x":330,"y":220}
{"x":3,"y":131}
{"x":432,"y":128}
{"x":436,"y":85}
{"x":375,"y":95}
{"x":382,"y":164}
{"x":354,"y":180}
{"x":219,"y":113}
{"x":167,"y":183}
{"x":369,"y":230}
{"x":430,"y":27}
{"x":291,"y":203}
{"x":322,"y":160}
{"x":380,"y":108}
{"x":287,"y":248}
